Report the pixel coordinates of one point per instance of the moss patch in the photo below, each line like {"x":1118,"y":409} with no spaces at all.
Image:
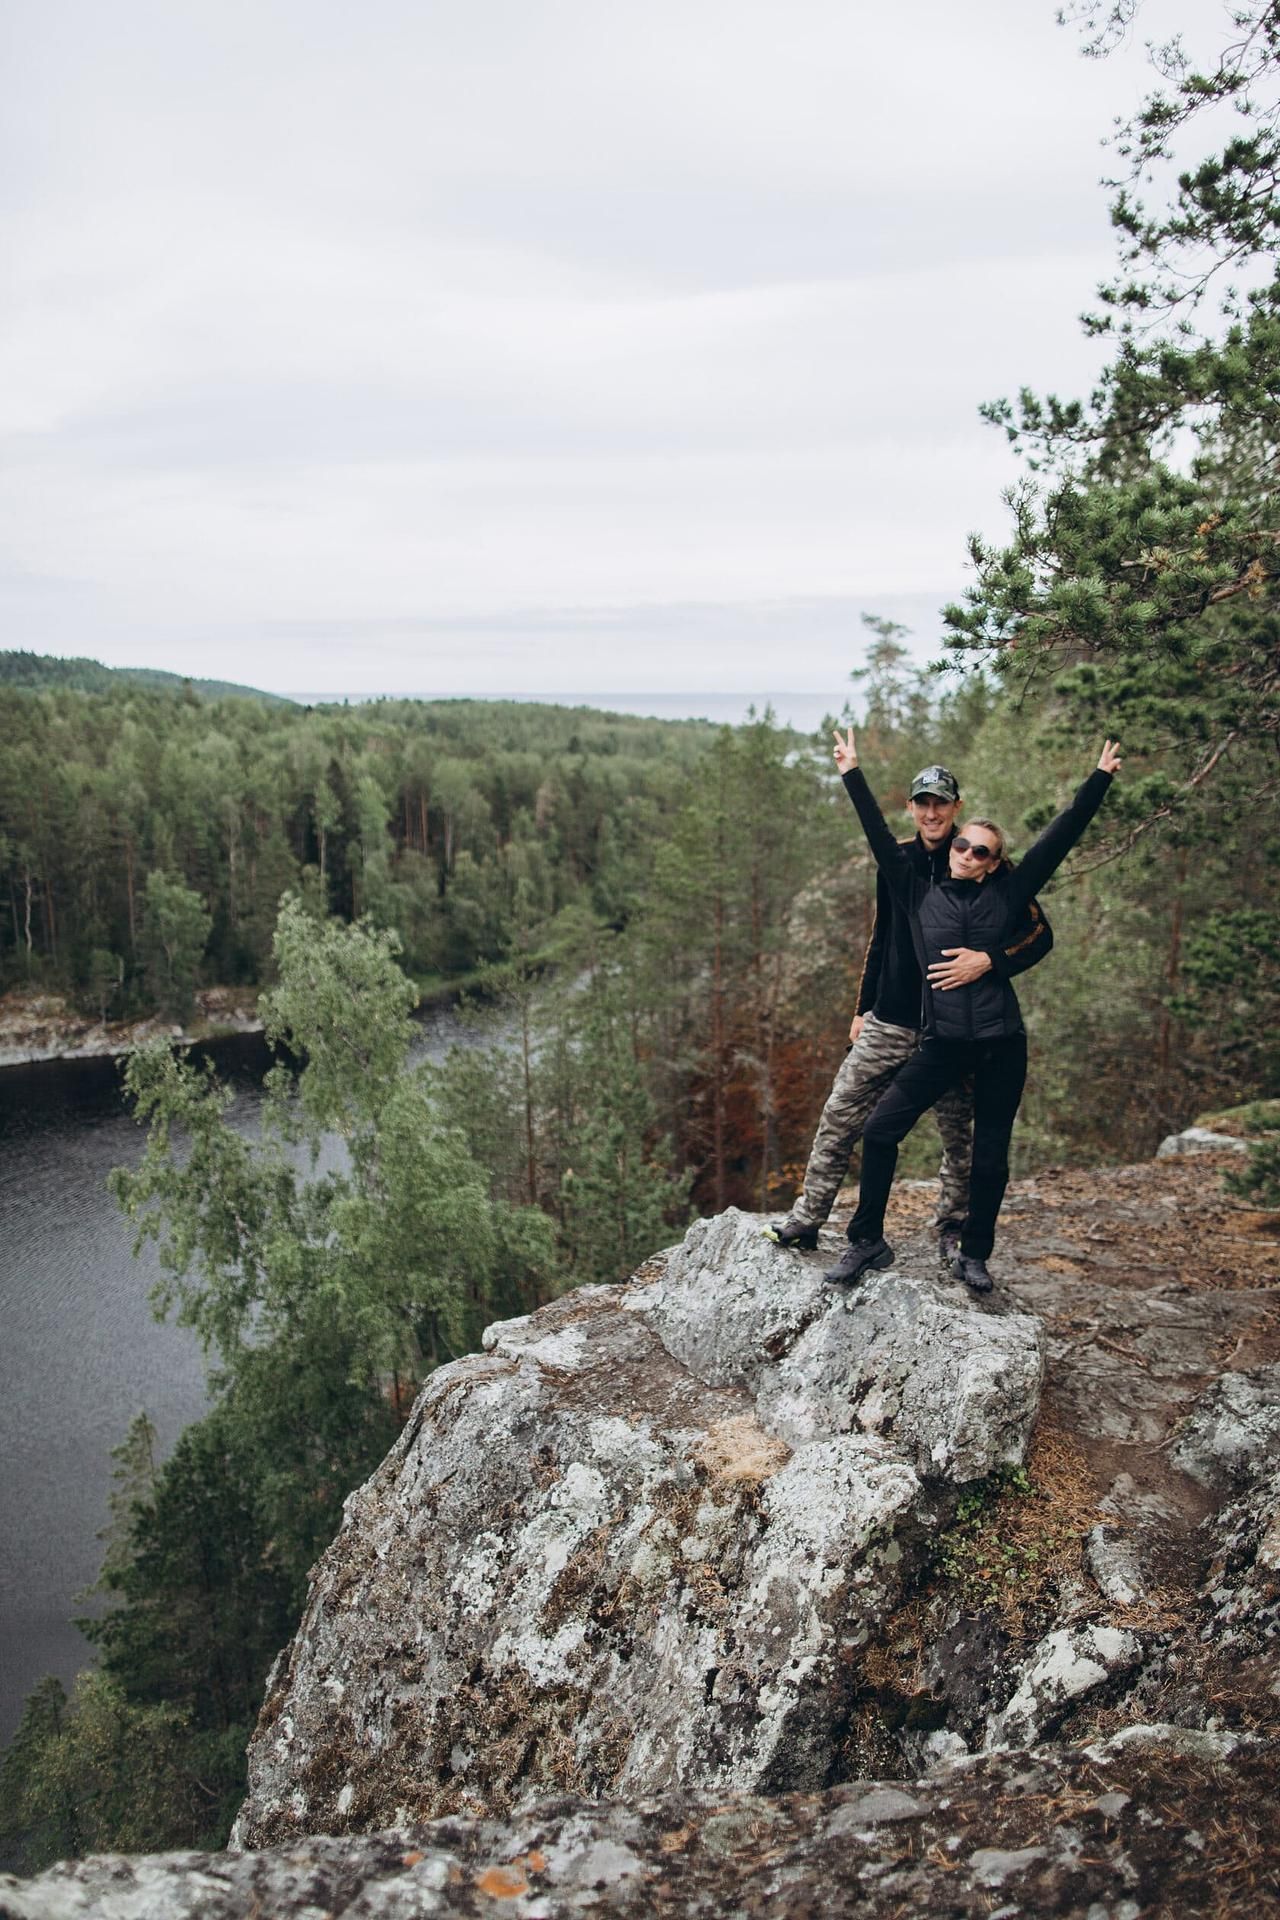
{"x":1241,"y":1122}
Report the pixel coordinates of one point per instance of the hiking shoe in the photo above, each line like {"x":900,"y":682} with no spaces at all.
{"x":793,"y":1233}
{"x":857,"y":1257}
{"x":973,"y":1272}
{"x":948,"y":1242}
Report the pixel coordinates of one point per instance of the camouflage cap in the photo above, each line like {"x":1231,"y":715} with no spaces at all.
{"x":939,"y":781}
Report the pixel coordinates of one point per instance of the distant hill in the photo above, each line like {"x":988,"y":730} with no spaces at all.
{"x":38,"y":671}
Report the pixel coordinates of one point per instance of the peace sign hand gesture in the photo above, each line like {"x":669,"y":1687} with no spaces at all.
{"x":846,"y":752}
{"x":1109,"y":761}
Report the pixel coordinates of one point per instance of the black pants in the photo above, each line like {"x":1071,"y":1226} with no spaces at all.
{"x":999,"y":1069}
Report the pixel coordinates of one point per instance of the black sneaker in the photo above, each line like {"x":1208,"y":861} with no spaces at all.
{"x":948,"y":1242}
{"x":793,"y":1233}
{"x":857,"y":1257}
{"x":973,"y":1272}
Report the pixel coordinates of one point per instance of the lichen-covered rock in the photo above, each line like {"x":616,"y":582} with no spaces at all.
{"x":1151,"y":1821}
{"x":729,"y":1302}
{"x":614,"y":1555}
{"x":1067,"y":1665}
{"x":1199,"y":1140}
{"x":1113,"y":1564}
{"x":947,"y":1383}
{"x":1232,"y":1435}
{"x":1241,"y":1595}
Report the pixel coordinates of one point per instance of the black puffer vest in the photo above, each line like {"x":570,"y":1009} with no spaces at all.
{"x":967,"y":913}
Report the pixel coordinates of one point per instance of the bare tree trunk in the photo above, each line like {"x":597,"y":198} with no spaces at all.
{"x":531,"y":1168}
{"x":768,"y":1105}
{"x":128,"y":873}
{"x":1164,"y":1044}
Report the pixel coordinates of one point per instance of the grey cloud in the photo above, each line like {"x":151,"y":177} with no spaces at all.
{"x":317,"y":310}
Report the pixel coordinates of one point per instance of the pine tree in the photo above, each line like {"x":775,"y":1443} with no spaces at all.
{"x":1140,"y":583}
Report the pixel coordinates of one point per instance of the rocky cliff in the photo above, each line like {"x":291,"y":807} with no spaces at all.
{"x":639,"y":1543}
{"x":1099,"y":1831}
{"x":726,"y":1591}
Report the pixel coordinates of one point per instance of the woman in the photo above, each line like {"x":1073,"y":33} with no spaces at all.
{"x":974,"y":1029}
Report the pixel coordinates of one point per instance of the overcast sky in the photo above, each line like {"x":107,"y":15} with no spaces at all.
{"x":528,"y":345}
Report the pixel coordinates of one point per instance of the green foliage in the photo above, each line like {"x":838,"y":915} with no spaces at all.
{"x":175,"y":928}
{"x":204,"y":1586}
{"x":432,"y":818}
{"x":1231,"y":974}
{"x":133,"y":1477}
{"x":712,"y":946}
{"x":104,"y":977}
{"x":386,"y":1260}
{"x":325,"y":1286}
{"x":559,"y":1106}
{"x":40,"y":672}
{"x":620,"y":1201}
{"x":976,"y":1551}
{"x":1259,"y":1179}
{"x":620,"y":1196}
{"x":1140,"y":580}
{"x":95,"y":1773}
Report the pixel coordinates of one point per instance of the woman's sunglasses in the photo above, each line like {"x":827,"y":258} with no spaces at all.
{"x":975,"y":847}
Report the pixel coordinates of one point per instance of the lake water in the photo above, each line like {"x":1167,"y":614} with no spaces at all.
{"x":80,"y":1353}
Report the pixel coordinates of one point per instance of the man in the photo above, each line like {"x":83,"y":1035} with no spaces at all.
{"x":886,"y":1028}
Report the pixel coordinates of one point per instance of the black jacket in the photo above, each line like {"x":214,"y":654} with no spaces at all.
{"x":971,"y":913}
{"x":890,"y":983}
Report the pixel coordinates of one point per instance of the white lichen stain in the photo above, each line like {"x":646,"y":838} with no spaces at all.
{"x":475,"y":1583}
{"x":563,"y":1349}
{"x":616,"y":1443}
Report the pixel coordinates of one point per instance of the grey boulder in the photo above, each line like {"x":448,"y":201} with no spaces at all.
{"x":637,"y":1545}
{"x":1232,"y":1435}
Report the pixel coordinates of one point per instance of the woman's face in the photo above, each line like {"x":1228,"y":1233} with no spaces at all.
{"x":981,"y":853}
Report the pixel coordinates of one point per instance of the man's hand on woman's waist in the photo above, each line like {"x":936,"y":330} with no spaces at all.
{"x":961,"y":967}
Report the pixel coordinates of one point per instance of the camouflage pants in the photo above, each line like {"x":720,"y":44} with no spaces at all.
{"x":868,"y":1068}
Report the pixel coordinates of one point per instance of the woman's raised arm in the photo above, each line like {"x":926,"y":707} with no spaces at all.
{"x":1047,"y":854}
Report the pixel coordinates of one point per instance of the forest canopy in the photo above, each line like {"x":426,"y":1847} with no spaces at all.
{"x":456,"y":822}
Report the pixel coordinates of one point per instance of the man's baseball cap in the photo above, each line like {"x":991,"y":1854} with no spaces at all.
{"x":939,"y":781}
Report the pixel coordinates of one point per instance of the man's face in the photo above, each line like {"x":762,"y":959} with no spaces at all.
{"x":934,"y":818}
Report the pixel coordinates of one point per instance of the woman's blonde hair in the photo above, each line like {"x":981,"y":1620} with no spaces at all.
{"x":991,"y":826}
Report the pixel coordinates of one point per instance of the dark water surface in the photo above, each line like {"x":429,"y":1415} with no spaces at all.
{"x":80,"y":1353}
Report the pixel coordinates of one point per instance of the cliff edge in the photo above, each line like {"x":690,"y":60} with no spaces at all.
{"x":725,"y":1590}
